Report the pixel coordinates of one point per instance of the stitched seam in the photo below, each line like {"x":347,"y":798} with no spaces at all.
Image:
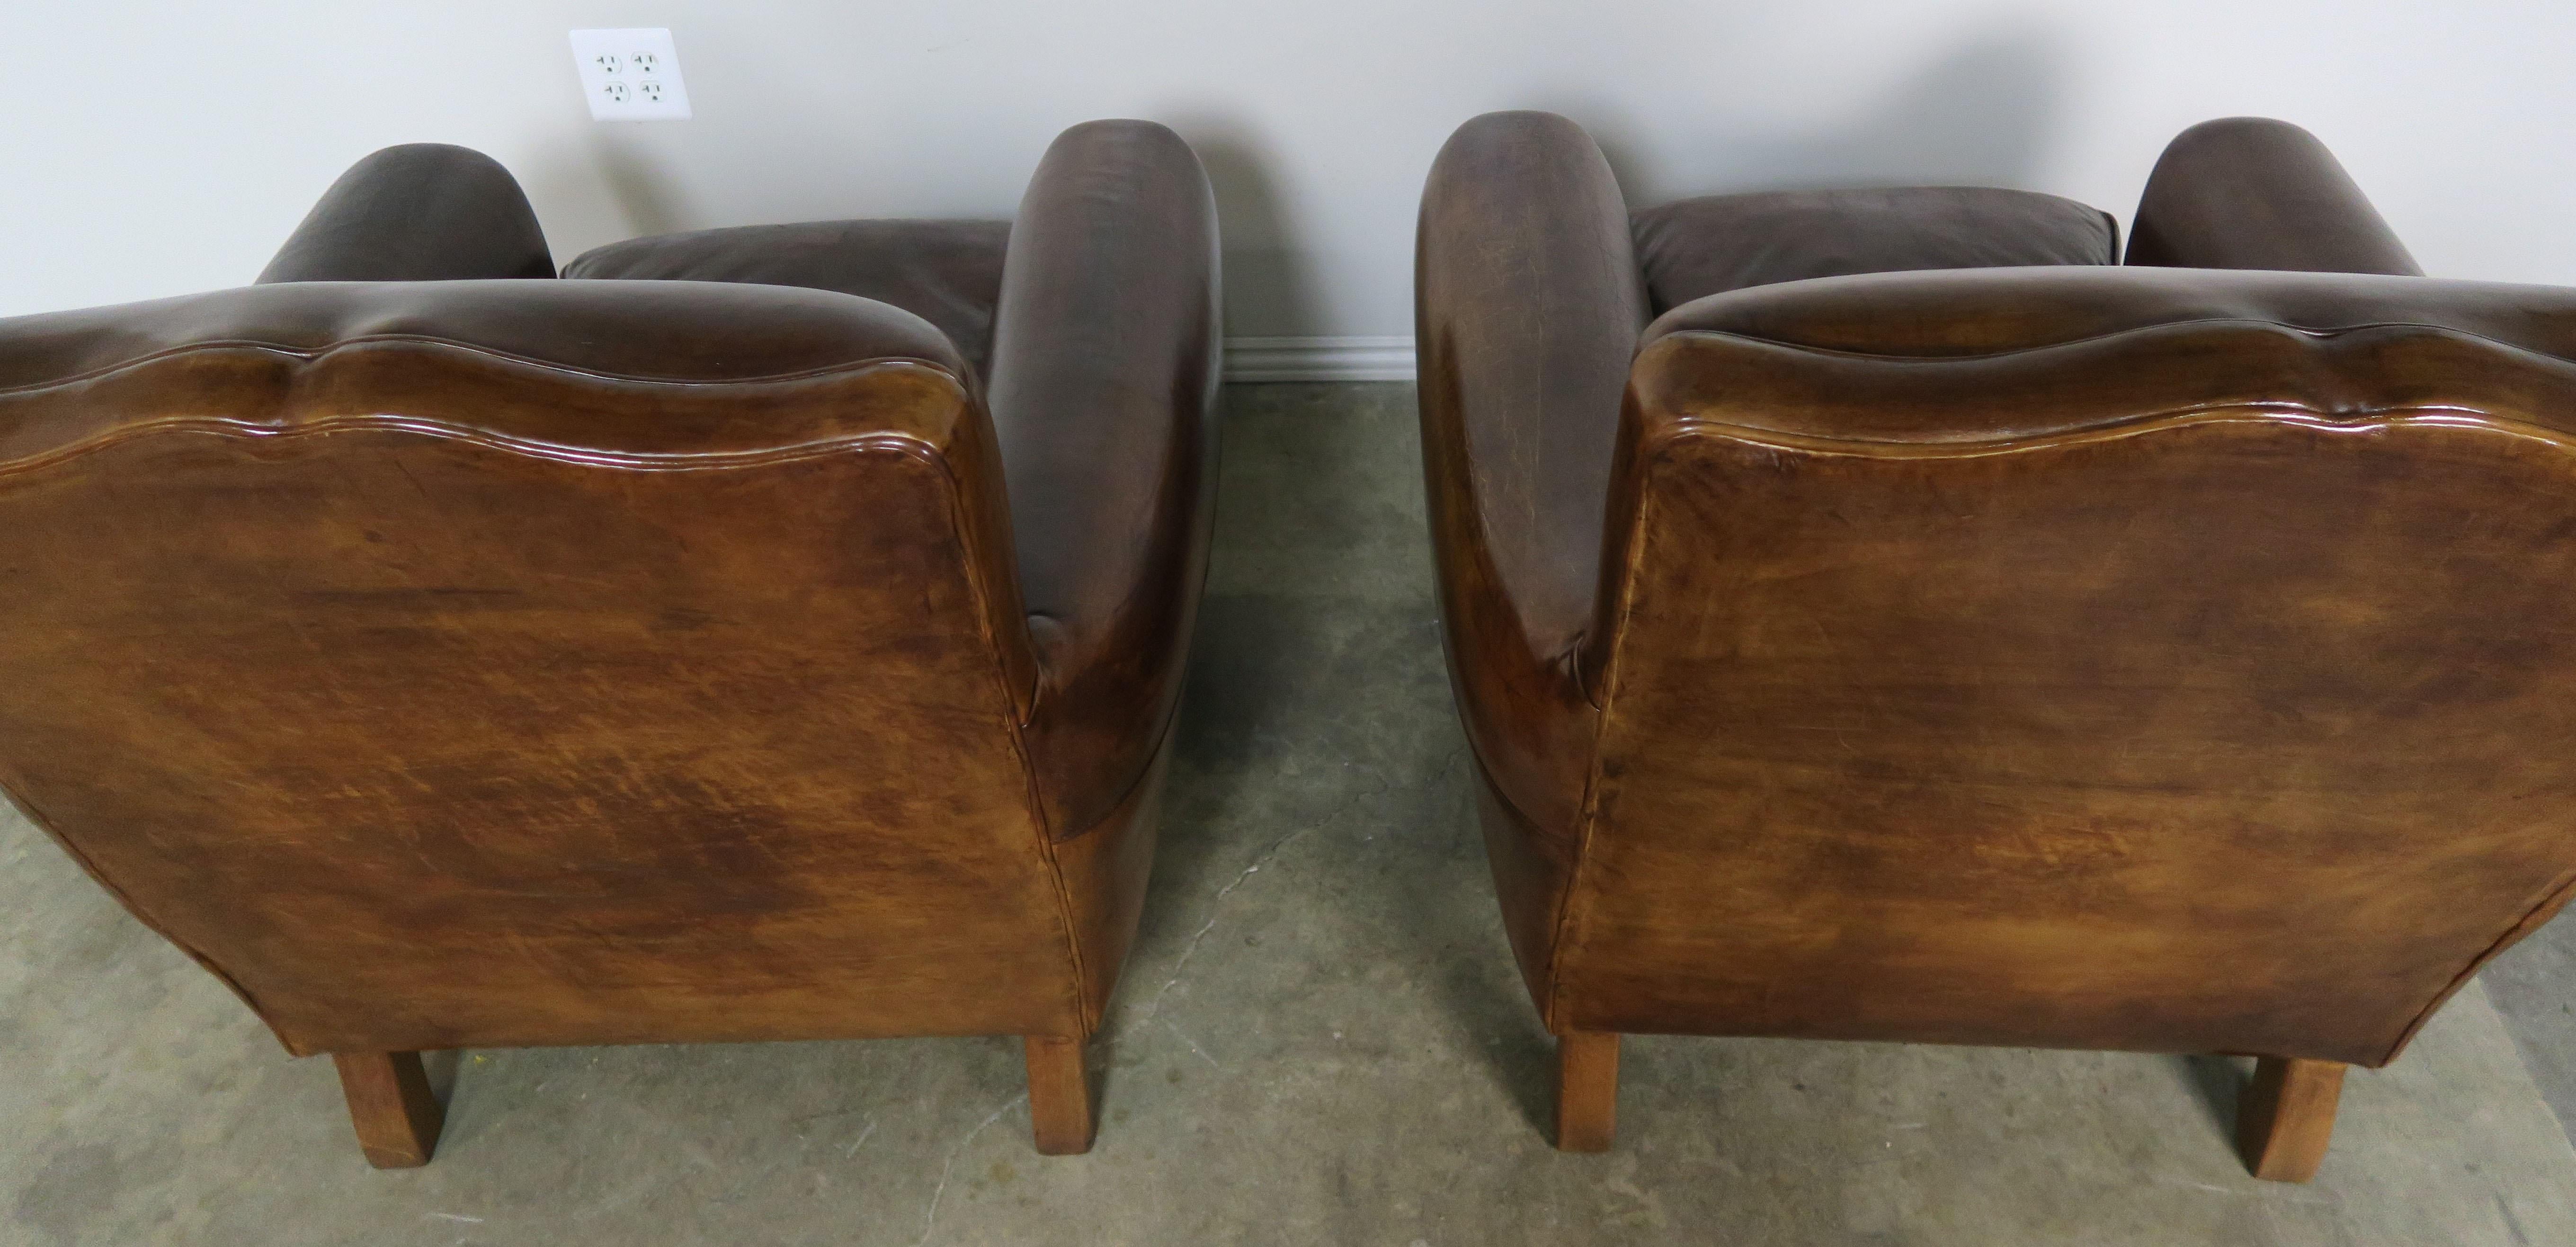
{"x":638,"y":461}
{"x":90,"y":868}
{"x":2336,"y":331}
{"x":1016,"y":733}
{"x":2295,"y":415}
{"x":1587,"y":823}
{"x":1138,"y":784}
{"x":315,"y":354}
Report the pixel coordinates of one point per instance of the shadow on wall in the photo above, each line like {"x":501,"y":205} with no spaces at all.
{"x":606,"y":176}
{"x":1259,"y":258}
{"x":1979,"y":116}
{"x":616,"y":178}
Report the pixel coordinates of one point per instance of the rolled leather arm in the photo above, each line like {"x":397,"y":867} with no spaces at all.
{"x":418,"y":212}
{"x":1105,"y":363}
{"x":2250,"y":192}
{"x":1528,"y":302}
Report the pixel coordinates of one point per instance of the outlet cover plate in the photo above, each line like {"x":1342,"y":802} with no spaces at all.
{"x":631,"y":75}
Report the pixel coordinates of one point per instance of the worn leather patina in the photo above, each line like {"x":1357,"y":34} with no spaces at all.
{"x":1998,"y":649}
{"x":446,"y":657}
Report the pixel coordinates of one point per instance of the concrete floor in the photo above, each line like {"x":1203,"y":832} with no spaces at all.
{"x":2533,"y":985}
{"x":1320,"y":1038}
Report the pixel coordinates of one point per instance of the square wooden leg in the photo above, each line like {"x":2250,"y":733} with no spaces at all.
{"x":390,"y":1103}
{"x":1059,"y":1095}
{"x":1587,"y":1091}
{"x":2285,"y":1117}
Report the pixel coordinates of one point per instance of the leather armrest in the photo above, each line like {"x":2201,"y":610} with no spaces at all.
{"x":418,"y":212}
{"x":1105,"y":364}
{"x":1528,"y":302}
{"x":2249,"y":192}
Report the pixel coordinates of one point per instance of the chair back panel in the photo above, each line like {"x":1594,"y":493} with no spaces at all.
{"x":2030,"y":715}
{"x":435,"y":698}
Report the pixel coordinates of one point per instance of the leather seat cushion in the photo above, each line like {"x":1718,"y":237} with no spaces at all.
{"x":946,"y":272}
{"x":1698,"y":247}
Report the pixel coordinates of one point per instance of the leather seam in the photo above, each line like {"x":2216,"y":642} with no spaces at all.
{"x":636,"y":461}
{"x":1572,"y":663}
{"x":2294,"y":415}
{"x":1587,"y":823}
{"x":313,"y":354}
{"x":1015,"y":733}
{"x":1161,"y":738}
{"x":90,"y":867}
{"x":2259,"y":322}
{"x":2551,"y":900}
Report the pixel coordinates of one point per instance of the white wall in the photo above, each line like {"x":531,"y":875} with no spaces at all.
{"x":152,"y":149}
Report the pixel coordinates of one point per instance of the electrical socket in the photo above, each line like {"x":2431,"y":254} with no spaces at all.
{"x":630,"y":75}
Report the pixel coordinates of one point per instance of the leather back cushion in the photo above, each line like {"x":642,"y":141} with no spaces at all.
{"x":1705,"y":246}
{"x":946,"y":272}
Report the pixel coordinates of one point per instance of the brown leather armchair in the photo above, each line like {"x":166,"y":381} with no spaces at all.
{"x":1876,"y":615}
{"x":449,"y":656}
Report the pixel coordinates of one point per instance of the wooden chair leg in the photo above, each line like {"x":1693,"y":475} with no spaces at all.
{"x":2285,"y":1117}
{"x":397,"y":1117}
{"x":1587,"y":1091}
{"x":1059,"y":1095}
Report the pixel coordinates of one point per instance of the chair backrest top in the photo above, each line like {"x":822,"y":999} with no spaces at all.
{"x":698,"y":332}
{"x":1960,"y":312}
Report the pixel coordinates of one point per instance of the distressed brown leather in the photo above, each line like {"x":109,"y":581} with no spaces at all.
{"x":484,"y":662}
{"x":1528,"y":302}
{"x":946,"y":272}
{"x":1107,"y":427}
{"x":1694,"y":248}
{"x":2147,"y":659}
{"x":2250,"y":192}
{"x":417,"y":212}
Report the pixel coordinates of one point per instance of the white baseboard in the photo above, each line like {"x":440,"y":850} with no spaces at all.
{"x":1319,"y":359}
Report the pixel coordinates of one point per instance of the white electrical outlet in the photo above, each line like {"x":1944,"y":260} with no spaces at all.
{"x":630,"y":75}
